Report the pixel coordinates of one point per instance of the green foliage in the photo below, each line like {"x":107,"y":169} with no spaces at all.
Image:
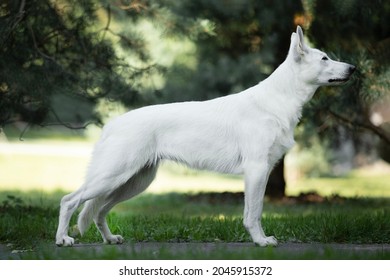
{"x":355,"y":24}
{"x":58,"y":67}
{"x":363,"y":40}
{"x":238,"y":43}
{"x":61,"y":64}
{"x":65,"y":57}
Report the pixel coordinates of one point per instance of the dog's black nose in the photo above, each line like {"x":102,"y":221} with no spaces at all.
{"x":351,"y":69}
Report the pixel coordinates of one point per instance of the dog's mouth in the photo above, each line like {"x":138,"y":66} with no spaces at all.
{"x":338,"y":80}
{"x":346,"y":75}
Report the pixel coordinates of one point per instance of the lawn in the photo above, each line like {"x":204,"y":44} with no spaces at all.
{"x":207,"y":217}
{"x":184,"y":205}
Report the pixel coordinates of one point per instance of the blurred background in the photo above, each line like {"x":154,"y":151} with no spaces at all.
{"x":68,"y":66}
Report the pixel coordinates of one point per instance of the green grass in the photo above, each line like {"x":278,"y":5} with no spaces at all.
{"x":181,"y":218}
{"x":29,"y":220}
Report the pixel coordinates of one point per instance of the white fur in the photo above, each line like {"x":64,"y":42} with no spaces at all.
{"x":244,"y":133}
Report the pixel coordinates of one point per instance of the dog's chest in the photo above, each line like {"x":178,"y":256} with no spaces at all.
{"x":283,"y":143}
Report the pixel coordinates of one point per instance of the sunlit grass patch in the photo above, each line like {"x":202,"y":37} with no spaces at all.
{"x":354,"y":185}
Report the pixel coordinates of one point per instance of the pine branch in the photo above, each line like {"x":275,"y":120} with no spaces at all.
{"x":17,"y":19}
{"x":67,"y":125}
{"x":365,"y":125}
{"x":36,"y":44}
{"x":107,"y":27}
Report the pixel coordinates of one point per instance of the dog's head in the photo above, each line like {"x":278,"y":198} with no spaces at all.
{"x":315,"y":67}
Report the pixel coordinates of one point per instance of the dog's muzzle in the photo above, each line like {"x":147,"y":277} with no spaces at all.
{"x":350,"y":71}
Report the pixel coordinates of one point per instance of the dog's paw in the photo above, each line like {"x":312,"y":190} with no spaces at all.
{"x":268,"y":241}
{"x":114,"y":239}
{"x":65,"y":241}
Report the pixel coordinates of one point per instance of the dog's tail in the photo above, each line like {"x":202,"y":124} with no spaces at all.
{"x":87,"y":214}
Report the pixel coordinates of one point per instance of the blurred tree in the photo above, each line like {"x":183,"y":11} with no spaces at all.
{"x":57,"y":67}
{"x":57,"y":60}
{"x":238,"y":44}
{"x":359,"y":32}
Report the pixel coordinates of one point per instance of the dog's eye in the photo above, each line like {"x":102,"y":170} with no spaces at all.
{"x":324,"y":58}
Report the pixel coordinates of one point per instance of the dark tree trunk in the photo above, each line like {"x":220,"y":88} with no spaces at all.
{"x":276,"y":186}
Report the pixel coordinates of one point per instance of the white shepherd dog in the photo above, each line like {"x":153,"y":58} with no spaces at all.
{"x":244,"y":133}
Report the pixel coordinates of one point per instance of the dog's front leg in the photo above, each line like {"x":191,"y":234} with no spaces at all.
{"x":256,"y":177}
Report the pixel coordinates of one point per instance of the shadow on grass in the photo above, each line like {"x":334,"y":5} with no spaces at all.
{"x":201,"y":251}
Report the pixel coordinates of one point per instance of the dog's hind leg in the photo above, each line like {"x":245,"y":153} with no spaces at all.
{"x":256,"y":176}
{"x":69,"y":203}
{"x":94,"y":189}
{"x":103,"y":178}
{"x":134,"y":186}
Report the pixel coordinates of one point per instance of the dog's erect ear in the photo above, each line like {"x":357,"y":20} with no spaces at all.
{"x":298,"y":43}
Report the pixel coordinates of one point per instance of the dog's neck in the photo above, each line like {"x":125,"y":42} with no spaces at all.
{"x":292,"y":86}
{"x":289,"y":94}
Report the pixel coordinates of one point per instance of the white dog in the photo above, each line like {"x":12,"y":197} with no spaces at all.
{"x":244,"y":133}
